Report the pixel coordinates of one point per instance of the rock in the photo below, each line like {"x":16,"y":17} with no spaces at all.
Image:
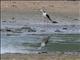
{"x":57,"y":30}
{"x":3,"y":21}
{"x":76,"y":19}
{"x":64,"y":28}
{"x":13,"y":18}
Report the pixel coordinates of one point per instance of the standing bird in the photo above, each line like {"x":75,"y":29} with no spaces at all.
{"x":44,"y":42}
{"x":47,"y":16}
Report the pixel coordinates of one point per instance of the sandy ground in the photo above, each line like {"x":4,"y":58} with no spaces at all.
{"x":56,"y":6}
{"x":39,"y":57}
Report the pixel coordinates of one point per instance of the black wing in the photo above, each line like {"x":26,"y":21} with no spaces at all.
{"x":48,"y":17}
{"x":54,"y":22}
{"x":51,"y":19}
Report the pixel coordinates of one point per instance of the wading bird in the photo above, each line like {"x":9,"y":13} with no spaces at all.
{"x":44,"y":42}
{"x":47,"y":16}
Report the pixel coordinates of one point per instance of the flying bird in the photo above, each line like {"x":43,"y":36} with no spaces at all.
{"x":47,"y":16}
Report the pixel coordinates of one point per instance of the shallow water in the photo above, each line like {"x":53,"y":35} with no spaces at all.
{"x":24,"y":43}
{"x":30,"y":43}
{"x":20,"y":41}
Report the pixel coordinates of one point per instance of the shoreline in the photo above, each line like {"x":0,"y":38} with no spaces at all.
{"x":43,"y":56}
{"x":65,"y":12}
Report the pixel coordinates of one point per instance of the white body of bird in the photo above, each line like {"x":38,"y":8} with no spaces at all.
{"x":44,"y":14}
{"x":43,"y":44}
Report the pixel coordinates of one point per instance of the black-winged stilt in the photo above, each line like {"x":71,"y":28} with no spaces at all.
{"x":47,"y":16}
{"x":44,"y":42}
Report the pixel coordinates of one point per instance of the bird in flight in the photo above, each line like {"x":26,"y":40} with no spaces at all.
{"x":47,"y":16}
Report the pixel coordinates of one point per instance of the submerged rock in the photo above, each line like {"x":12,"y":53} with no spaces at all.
{"x":8,"y":30}
{"x":29,"y":29}
{"x":64,"y":28}
{"x":57,"y":30}
{"x":13,"y":18}
{"x":76,"y":19}
{"x":4,"y":21}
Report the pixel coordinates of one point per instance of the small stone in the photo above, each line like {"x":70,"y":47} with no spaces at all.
{"x":13,"y":18}
{"x":75,"y":19}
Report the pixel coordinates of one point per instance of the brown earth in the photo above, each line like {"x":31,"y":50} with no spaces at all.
{"x":56,"y":6}
{"x":39,"y":57}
